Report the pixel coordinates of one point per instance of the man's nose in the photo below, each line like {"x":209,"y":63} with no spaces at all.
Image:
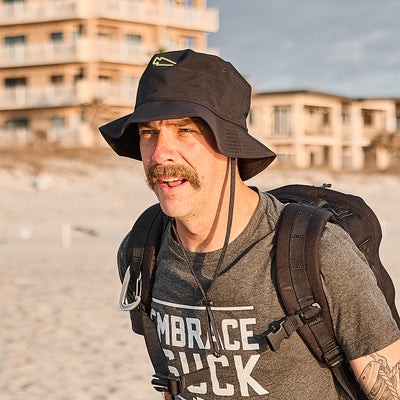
{"x":165,"y":148}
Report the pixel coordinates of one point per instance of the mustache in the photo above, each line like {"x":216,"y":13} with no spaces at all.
{"x":159,"y":171}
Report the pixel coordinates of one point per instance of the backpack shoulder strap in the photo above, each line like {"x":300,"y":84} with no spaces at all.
{"x":297,"y":272}
{"x":300,"y":288}
{"x":137,"y":255}
{"x":138,"y":252}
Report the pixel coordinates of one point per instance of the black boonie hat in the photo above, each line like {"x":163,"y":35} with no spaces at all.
{"x":180,"y":84}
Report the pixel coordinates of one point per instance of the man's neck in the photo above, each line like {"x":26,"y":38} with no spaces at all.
{"x":207,"y":233}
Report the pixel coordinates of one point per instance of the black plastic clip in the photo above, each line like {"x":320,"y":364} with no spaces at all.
{"x":310,"y":313}
{"x":171,"y":385}
{"x":285,"y":329}
{"x":274,"y":338}
{"x":333,"y":357}
{"x":290,"y":324}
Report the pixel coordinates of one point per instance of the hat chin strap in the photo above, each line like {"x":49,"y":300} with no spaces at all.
{"x":232,"y":184}
{"x":212,"y":330}
{"x":211,"y":326}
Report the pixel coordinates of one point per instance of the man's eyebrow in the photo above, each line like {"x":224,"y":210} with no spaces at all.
{"x":144,"y":125}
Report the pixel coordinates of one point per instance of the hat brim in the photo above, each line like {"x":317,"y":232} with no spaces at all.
{"x":232,"y":140}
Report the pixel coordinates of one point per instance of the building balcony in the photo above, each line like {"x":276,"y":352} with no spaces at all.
{"x":65,"y":96}
{"x":160,"y":14}
{"x":18,"y":137}
{"x":12,"y":137}
{"x":21,"y":12}
{"x":123,"y":10}
{"x":82,"y":50}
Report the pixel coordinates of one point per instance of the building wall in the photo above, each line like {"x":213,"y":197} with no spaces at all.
{"x":309,"y":128}
{"x":66,"y":66}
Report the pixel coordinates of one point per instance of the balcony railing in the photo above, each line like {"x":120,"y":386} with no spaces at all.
{"x":18,"y":137}
{"x":62,"y":96}
{"x":160,"y":14}
{"x":15,"y":137}
{"x":82,"y":50}
{"x":123,"y":10}
{"x":37,"y":11}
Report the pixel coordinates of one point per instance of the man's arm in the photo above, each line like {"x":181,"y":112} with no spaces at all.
{"x":379,"y":373}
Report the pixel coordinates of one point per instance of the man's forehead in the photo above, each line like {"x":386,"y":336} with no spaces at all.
{"x":170,"y":122}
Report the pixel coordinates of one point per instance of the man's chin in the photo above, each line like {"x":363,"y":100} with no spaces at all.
{"x":172,"y":212}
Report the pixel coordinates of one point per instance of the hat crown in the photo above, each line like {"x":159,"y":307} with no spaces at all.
{"x":203,"y":79}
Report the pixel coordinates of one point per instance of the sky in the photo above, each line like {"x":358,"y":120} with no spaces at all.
{"x":344,"y":47}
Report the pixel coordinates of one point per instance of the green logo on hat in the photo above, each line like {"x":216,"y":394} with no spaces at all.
{"x":163,"y":62}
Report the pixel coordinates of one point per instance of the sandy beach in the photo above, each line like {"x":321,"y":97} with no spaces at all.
{"x":62,"y":335}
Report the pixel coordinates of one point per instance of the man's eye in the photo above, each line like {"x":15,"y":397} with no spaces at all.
{"x":187,"y":130}
{"x":145,"y":132}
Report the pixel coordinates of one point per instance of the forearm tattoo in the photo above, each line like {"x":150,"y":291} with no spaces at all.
{"x":379,"y":381}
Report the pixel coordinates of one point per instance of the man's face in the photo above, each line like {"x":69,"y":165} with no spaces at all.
{"x":182,"y":165}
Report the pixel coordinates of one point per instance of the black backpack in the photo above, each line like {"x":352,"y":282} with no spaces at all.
{"x":298,"y":282}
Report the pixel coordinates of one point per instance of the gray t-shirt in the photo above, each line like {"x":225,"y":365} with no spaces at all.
{"x":245,"y":303}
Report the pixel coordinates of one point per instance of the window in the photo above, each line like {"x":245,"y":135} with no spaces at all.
{"x":79,"y":76}
{"x":15,"y":90}
{"x":190,"y":41}
{"x":57,"y":122}
{"x":325,"y":118}
{"x":56,"y":36}
{"x":367,"y":118}
{"x":14,"y":82}
{"x":16,"y":123}
{"x":14,"y":47}
{"x":130,"y":38}
{"x":78,"y":33}
{"x":14,"y":40}
{"x":57,"y":79}
{"x":345,"y":117}
{"x":282,"y":124}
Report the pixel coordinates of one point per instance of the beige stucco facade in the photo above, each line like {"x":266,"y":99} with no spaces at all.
{"x":66,"y":66}
{"x":308,"y":128}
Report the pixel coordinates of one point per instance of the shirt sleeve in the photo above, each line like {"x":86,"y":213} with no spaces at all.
{"x":361,"y":317}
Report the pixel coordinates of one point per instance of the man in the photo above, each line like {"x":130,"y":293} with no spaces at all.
{"x":213,"y":295}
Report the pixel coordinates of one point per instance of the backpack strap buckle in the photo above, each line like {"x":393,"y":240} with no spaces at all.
{"x":290,"y":324}
{"x":309,"y":313}
{"x":287,"y":326}
{"x":333,"y":357}
{"x":171,"y":385}
{"x":124,"y":305}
